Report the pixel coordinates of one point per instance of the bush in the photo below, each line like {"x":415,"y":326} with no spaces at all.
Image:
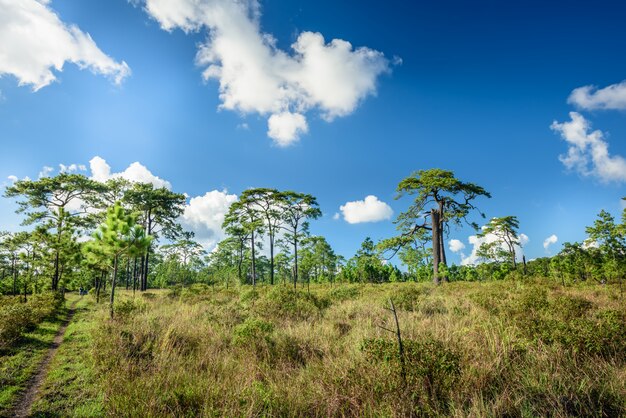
{"x":252,"y":331}
{"x":432,"y":367}
{"x":344,"y":292}
{"x":18,"y":318}
{"x":124,"y":309}
{"x":407,"y":298}
{"x":291,"y":304}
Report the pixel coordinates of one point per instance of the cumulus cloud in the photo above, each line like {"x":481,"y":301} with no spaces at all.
{"x":368,"y":210}
{"x":255,"y":76}
{"x":455,"y":245}
{"x":12,"y":178}
{"x":286,"y":127}
{"x":591,"y":98}
{"x":205,"y":214}
{"x":336,"y":216}
{"x":45,"y":172}
{"x":551,"y":240}
{"x":34,"y":42}
{"x":136,"y":172}
{"x":588,"y":152}
{"x":476,"y":242}
{"x":71,"y":168}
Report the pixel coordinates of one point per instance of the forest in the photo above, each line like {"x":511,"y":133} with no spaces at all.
{"x":273,"y":322}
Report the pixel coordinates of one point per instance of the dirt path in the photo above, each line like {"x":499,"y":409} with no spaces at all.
{"x":26,"y":402}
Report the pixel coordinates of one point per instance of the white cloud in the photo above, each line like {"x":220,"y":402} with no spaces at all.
{"x":455,"y":245}
{"x":368,"y":210}
{"x":476,"y":242}
{"x":285,"y":128}
{"x":34,"y":42}
{"x":136,"y":172}
{"x":590,"y":243}
{"x":204,"y":216}
{"x":71,"y":168}
{"x":45,"y":172}
{"x":551,"y":240}
{"x":12,"y":178}
{"x":591,"y":98}
{"x":336,"y":216}
{"x":588,"y":152}
{"x":255,"y":76}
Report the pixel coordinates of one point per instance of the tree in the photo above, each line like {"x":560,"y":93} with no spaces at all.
{"x":185,"y":250}
{"x":504,"y":232}
{"x":368,"y":264}
{"x":611,"y":240}
{"x":116,"y":236}
{"x":58,"y":204}
{"x":267,"y":204}
{"x":440,"y":199}
{"x":160,"y":209}
{"x":243,"y":219}
{"x":318,"y":260}
{"x":297,"y":209}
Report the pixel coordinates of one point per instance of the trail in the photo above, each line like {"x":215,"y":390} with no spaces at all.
{"x":23,"y":407}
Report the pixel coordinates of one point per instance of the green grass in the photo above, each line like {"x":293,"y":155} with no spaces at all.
{"x":477,"y":349}
{"x":19,"y":363}
{"x":471,"y":349}
{"x":71,"y":388}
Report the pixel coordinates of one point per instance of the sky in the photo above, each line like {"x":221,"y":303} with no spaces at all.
{"x":341,"y":100}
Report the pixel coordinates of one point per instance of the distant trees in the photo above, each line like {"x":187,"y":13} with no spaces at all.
{"x":269,"y":211}
{"x":160,"y":209}
{"x":129,"y":217}
{"x":504,"y":234}
{"x":244,"y":219}
{"x":118,"y":235}
{"x":440,"y":199}
{"x":58,"y":205}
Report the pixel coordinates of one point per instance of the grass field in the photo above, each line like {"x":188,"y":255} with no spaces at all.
{"x":470,"y":349}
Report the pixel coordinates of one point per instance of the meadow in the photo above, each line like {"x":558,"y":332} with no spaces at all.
{"x":508,"y":348}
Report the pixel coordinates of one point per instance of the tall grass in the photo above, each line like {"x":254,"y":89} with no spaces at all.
{"x":471,"y":349}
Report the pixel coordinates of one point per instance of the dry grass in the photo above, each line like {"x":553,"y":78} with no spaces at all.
{"x":472,"y":349}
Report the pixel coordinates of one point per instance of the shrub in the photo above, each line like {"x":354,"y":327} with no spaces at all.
{"x":252,"y":331}
{"x":344,"y":292}
{"x":431,"y":367}
{"x":124,"y":309}
{"x":407,"y":298}
{"x":249,"y":296}
{"x":287,"y":303}
{"x":18,"y":318}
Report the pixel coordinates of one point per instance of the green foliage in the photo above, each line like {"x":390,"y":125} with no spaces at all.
{"x":285,"y":303}
{"x":407,"y":298}
{"x":16,"y":317}
{"x":252,"y":331}
{"x":344,"y":292}
{"x":128,"y":307}
{"x":432,"y":366}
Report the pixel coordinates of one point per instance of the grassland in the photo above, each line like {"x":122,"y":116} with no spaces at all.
{"x":470,"y":349}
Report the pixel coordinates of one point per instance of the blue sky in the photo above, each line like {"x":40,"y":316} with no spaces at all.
{"x":477,"y":89}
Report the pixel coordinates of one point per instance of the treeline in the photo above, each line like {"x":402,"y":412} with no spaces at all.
{"x":84,"y":233}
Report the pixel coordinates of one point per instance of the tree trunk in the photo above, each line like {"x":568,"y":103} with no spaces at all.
{"x":295,"y":259}
{"x":271,"y":257}
{"x":127,"y":273}
{"x":253,"y":261}
{"x":434,"y":214}
{"x":144,"y":278}
{"x":113,"y":285}
{"x":99,"y":286}
{"x":442,"y":248}
{"x":135,"y":276}
{"x":14,"y":269}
